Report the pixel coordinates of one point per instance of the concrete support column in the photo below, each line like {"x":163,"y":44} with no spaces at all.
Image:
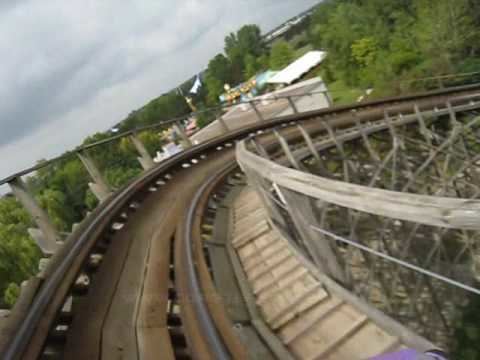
{"x":145,"y":159}
{"x":302,"y":214}
{"x":286,"y":149}
{"x":178,"y":127}
{"x":99,"y":186}
{"x":259,"y":114}
{"x":46,"y":236}
{"x":292,"y":104}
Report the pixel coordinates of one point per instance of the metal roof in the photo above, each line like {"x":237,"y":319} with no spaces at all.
{"x":298,"y":68}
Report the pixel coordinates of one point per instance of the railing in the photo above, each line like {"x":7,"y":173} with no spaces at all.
{"x":388,"y":207}
{"x":50,"y":289}
{"x":263,"y":109}
{"x":48,"y":237}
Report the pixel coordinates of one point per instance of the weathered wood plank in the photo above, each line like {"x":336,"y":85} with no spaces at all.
{"x":429,"y":210}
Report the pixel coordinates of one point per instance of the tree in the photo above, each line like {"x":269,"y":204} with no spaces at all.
{"x":53,"y":201}
{"x":219,"y":73}
{"x":11,"y":294}
{"x":220,"y":68}
{"x":252,"y":66}
{"x":281,"y":55}
{"x":215,"y":89}
{"x":364,"y":51}
{"x":164,"y":107}
{"x":445,"y":30}
{"x":246,"y":42}
{"x":19,"y":255}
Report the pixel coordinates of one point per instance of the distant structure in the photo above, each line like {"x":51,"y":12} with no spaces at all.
{"x":298,"y":68}
{"x":283,"y":29}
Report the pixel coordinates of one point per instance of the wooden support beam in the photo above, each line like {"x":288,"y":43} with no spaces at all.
{"x":179,"y":129}
{"x":99,"y":186}
{"x":310,"y":145}
{"x":223,"y":125}
{"x":302,"y":214}
{"x":424,"y":209}
{"x":286,"y":149}
{"x":371,"y":151}
{"x":260,"y":149}
{"x":47,"y":237}
{"x":259,"y":114}
{"x":145,"y":159}
{"x":292,"y":104}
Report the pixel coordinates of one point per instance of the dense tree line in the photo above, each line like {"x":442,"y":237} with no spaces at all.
{"x":61,"y":188}
{"x":374,"y":43}
{"x":377,"y":43}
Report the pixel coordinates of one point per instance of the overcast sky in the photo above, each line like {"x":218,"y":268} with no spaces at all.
{"x":71,"y":68}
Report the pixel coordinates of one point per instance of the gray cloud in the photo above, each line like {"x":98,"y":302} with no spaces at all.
{"x":70,"y":68}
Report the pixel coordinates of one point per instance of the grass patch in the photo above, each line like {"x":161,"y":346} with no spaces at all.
{"x":342,"y":94}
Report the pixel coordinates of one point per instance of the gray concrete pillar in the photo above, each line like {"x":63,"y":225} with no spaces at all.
{"x":302,"y":214}
{"x":286,"y":149}
{"x":145,"y":159}
{"x":259,"y":114}
{"x":99,"y":186}
{"x":46,"y":236}
{"x":178,"y":127}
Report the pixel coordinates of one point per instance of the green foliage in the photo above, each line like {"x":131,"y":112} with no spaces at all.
{"x":281,"y":55}
{"x":342,"y":94}
{"x":219,"y":73}
{"x":165,"y":107}
{"x":375,"y":43}
{"x":91,"y":201}
{"x":444,"y":32}
{"x":247,"y":41}
{"x":365,"y":50}
{"x":11,"y":294}
{"x":468,"y":332}
{"x":205,"y":118}
{"x":13,"y":213}
{"x":119,"y":176}
{"x":245,"y":56}
{"x":53,"y":201}
{"x":252,"y":66}
{"x":384,"y":43}
{"x":19,"y":255}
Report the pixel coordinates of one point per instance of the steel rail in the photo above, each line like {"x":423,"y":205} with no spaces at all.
{"x":363,"y":105}
{"x":206,"y":322}
{"x":66,"y":264}
{"x":395,"y":260}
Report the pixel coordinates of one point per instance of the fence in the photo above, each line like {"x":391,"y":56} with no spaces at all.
{"x":387,"y":207}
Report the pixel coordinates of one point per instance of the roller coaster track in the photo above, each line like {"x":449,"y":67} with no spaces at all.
{"x":133,"y":281}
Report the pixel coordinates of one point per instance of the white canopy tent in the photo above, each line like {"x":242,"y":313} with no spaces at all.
{"x":298,"y":68}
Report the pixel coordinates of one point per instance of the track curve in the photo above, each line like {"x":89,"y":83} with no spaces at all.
{"x":118,"y":305}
